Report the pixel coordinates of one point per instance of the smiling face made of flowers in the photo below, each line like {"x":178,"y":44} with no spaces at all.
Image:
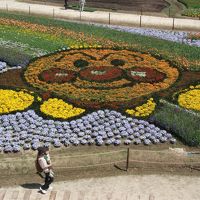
{"x":100,"y":76}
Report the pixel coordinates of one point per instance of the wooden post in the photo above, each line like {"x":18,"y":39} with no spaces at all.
{"x":109,"y":19}
{"x":53,"y":13}
{"x":80,"y":15}
{"x":29,"y":10}
{"x":140,"y":20}
{"x":173,"y":24}
{"x":7,"y":7}
{"x":169,"y":12}
{"x":127,"y":160}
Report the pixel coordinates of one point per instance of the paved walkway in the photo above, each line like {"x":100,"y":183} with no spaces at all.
{"x":147,"y":187}
{"x":101,"y":17}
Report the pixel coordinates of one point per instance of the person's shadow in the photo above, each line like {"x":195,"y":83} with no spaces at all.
{"x":31,"y":185}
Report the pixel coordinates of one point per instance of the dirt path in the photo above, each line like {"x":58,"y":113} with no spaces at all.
{"x":132,"y":187}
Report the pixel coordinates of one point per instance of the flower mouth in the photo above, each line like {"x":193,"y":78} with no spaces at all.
{"x":98,"y":72}
{"x":101,"y":73}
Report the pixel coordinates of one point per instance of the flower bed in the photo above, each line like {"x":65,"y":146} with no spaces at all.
{"x":57,"y":108}
{"x":104,"y":127}
{"x":11,"y":100}
{"x":190,"y":98}
{"x":144,"y":110}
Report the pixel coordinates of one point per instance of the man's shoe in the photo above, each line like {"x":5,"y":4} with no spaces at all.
{"x":43,"y":191}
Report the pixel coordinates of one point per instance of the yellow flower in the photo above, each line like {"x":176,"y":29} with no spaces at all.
{"x":59,"y":109}
{"x":143,"y":110}
{"x":11,"y":100}
{"x":39,"y":98}
{"x":190,"y":99}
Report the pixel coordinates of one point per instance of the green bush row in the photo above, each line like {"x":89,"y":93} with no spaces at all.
{"x":183,"y":123}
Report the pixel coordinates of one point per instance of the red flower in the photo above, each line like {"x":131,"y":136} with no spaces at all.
{"x":56,"y":75}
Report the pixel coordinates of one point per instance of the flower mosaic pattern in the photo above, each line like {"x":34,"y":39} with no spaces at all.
{"x":104,"y":127}
{"x":109,"y":75}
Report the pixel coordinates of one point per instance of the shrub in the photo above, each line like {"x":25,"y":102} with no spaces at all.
{"x":192,"y":12}
{"x":185,"y":124}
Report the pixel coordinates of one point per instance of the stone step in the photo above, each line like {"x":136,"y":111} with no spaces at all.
{"x":32,"y":194}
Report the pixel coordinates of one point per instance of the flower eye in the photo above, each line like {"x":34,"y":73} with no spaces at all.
{"x":81,"y":63}
{"x":117,"y":62}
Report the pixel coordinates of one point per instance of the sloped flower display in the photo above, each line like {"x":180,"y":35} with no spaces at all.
{"x":83,"y":92}
{"x":69,"y":88}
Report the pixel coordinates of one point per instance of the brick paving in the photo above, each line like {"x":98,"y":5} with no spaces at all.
{"x":127,"y":187}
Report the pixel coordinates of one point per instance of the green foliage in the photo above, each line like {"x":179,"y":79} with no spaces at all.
{"x":181,"y":122}
{"x":192,"y":12}
{"x":191,"y":3}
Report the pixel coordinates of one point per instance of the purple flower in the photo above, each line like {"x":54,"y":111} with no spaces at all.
{"x":117,"y":142}
{"x":147,"y":142}
{"x":137,"y":141}
{"x":127,"y":142}
{"x":26,"y":146}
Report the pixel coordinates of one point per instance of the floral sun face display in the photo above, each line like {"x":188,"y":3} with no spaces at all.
{"x":101,"y":77}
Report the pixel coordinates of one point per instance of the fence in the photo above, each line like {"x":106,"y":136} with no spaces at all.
{"x":111,"y":18}
{"x":124,"y":160}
